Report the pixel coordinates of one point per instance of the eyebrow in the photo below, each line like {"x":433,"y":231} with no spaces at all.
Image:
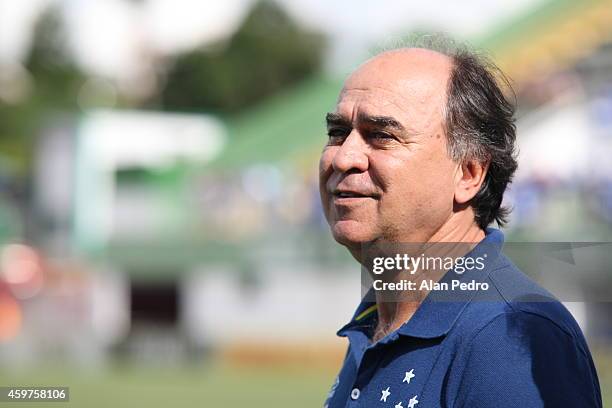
{"x":372,"y":120}
{"x":380,"y":121}
{"x":334,"y":119}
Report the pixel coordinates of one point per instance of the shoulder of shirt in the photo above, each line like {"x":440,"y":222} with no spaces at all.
{"x":515,"y":295}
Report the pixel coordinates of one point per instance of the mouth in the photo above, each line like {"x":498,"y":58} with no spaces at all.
{"x":344,"y":195}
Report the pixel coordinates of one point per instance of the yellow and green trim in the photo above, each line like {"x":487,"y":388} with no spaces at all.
{"x":370,"y":310}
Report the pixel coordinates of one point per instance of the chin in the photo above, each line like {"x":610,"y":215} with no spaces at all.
{"x":351,"y":234}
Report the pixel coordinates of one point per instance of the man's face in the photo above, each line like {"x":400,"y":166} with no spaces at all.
{"x":385,"y":173}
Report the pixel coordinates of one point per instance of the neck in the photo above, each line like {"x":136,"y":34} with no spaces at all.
{"x":391,"y":315}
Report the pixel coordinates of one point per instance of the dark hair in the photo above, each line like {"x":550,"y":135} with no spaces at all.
{"x":479,"y":119}
{"x":480,"y":126}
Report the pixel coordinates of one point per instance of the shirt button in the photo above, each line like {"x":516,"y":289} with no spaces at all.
{"x":355,"y":393}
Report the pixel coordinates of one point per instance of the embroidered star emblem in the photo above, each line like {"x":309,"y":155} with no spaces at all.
{"x":413,"y":401}
{"x":399,"y":405}
{"x":385,"y":394}
{"x":409,"y":376}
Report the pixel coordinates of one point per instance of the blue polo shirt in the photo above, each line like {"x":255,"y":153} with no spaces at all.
{"x":513,"y":345}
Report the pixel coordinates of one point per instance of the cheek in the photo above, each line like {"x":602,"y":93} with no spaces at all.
{"x":392,"y":173}
{"x":419,"y":182}
{"x":436,"y":193}
{"x":325,"y":170}
{"x":441,"y":176}
{"x":325,"y":162}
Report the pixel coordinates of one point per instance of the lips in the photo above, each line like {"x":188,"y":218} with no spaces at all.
{"x":345,"y":194}
{"x":350,"y":194}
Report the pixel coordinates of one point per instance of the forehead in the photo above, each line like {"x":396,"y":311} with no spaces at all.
{"x":409,"y":85}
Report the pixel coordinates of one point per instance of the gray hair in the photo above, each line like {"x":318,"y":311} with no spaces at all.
{"x":479,"y":120}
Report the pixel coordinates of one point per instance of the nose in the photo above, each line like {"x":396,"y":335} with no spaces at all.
{"x":351,"y":155}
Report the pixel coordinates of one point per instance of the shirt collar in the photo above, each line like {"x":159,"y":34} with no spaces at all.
{"x":440,"y":309}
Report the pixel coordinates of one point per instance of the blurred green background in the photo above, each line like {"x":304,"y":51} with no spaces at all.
{"x":161,"y":237}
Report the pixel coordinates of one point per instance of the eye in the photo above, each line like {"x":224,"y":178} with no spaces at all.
{"x":381,"y":135}
{"x":337,"y":135}
{"x":380,"y":138}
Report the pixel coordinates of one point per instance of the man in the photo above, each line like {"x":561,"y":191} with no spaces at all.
{"x":420,"y":150}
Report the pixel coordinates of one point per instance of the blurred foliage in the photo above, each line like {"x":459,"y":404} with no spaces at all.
{"x":54,"y":83}
{"x":268,"y":52}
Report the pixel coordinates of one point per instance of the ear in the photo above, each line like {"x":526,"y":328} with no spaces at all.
{"x":470,"y":177}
